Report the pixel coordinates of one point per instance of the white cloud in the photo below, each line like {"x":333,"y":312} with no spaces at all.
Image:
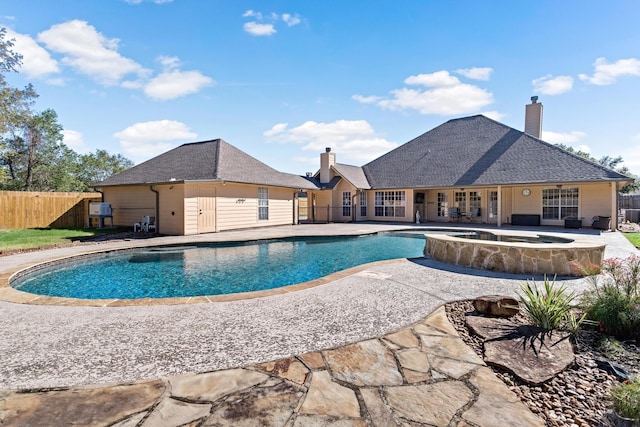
{"x":251,"y":14}
{"x":174,"y":84}
{"x":583,"y":148}
{"x":74,"y":140}
{"x":291,"y":20}
{"x":549,"y":85}
{"x":476,"y":73}
{"x":447,"y":96}
{"x":276,"y":129}
{"x":494,"y":115}
{"x":606,"y":73}
{"x":144,"y":140}
{"x":169,"y":62}
{"x":437,"y":79}
{"x":562,"y":138}
{"x":256,"y":29}
{"x":90,"y":52}
{"x":366,"y":99}
{"x":36,"y":61}
{"x":265,"y":25}
{"x":453,"y":100}
{"x":354,"y":141}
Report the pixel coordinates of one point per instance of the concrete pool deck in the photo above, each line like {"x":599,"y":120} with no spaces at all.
{"x":54,"y":347}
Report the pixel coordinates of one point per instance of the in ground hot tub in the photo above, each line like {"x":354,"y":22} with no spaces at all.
{"x":522,"y":254}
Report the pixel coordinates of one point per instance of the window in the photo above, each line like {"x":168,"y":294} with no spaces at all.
{"x":493,"y":204}
{"x":263,"y":203}
{"x":363,"y":204}
{"x":475,"y":200}
{"x":346,"y":203}
{"x":559,"y":203}
{"x":443,"y":204}
{"x":460,"y":200}
{"x":390,"y":203}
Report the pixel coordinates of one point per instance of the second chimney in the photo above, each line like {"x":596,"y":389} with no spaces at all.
{"x":327,"y":159}
{"x":533,"y":118}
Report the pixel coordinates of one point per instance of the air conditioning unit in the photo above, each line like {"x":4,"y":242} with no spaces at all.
{"x":101,"y":209}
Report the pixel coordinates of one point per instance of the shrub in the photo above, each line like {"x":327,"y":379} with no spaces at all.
{"x":614,"y":301}
{"x":626,"y":399}
{"x":550,"y":309}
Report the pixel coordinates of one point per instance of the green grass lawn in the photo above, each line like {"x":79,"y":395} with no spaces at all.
{"x":39,"y":237}
{"x":634,"y":238}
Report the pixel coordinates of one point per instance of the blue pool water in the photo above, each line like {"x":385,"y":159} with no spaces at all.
{"x":163,"y":272}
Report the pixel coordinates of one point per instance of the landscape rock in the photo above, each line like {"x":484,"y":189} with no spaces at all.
{"x":532,"y":354}
{"x":496,"y":305}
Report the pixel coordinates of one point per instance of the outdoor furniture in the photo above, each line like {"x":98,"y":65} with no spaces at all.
{"x":572,"y":222}
{"x":475,"y":213}
{"x":454,"y":214}
{"x":601,"y":222}
{"x":148,"y":224}
{"x":525,"y":219}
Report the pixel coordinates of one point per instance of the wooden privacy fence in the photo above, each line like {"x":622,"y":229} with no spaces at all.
{"x":629,"y":201}
{"x":30,"y":209}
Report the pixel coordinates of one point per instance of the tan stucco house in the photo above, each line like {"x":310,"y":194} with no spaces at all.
{"x":467,"y":165}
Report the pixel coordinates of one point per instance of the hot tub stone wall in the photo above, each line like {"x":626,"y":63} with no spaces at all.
{"x":510,"y":258}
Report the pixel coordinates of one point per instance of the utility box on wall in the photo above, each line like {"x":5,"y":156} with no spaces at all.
{"x":100,"y":209}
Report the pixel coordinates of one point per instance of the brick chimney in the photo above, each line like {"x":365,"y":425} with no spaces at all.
{"x":533,"y":118}
{"x":327,"y":159}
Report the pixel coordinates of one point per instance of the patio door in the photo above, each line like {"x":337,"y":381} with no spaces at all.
{"x":206,"y":209}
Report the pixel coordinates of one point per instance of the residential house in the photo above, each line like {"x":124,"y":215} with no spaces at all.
{"x":204,"y":187}
{"x":470,"y":164}
{"x":507,"y":176}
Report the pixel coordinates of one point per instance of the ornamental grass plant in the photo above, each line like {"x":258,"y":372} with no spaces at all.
{"x":626,"y":399}
{"x":614,"y":300}
{"x":549,"y":309}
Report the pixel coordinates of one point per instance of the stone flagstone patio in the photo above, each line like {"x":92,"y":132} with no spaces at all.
{"x":421,"y":375}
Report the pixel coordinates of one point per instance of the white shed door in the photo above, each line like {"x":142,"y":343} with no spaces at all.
{"x":206,"y":209}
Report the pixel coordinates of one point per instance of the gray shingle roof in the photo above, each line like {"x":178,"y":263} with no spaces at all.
{"x":354,"y":174}
{"x":214,"y":160}
{"x":476,"y":150}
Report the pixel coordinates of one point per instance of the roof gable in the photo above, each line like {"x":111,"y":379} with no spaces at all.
{"x":214,"y":160}
{"x":354,"y":174}
{"x":474,"y":151}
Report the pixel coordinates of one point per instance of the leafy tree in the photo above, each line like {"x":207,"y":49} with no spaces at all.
{"x":608,"y":162}
{"x":33,"y":150}
{"x":32,"y":154}
{"x":98,"y":166}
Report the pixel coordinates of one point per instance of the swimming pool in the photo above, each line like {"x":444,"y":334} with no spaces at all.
{"x":213,"y":269}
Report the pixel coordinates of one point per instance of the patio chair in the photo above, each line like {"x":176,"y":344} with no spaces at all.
{"x":148,"y":224}
{"x":601,"y":222}
{"x":475,"y":213}
{"x":137,"y":226}
{"x":454,"y":214}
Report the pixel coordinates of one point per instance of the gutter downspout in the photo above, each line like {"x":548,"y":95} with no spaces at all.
{"x":157,"y":208}
{"x":296,"y":220}
{"x":101,"y":194}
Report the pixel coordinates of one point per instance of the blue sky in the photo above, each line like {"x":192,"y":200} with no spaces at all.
{"x":281,"y":80}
